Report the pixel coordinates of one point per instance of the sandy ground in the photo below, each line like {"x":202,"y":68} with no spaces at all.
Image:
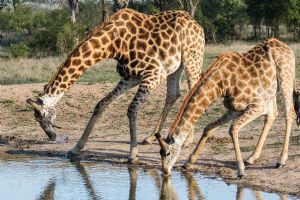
{"x":20,"y":133}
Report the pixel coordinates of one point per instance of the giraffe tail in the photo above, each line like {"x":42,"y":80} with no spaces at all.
{"x":296,"y":95}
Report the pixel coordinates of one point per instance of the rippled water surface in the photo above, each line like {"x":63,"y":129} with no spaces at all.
{"x":27,"y":177}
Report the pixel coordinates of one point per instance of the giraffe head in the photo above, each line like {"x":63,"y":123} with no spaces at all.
{"x":169,"y":152}
{"x":45,"y":114}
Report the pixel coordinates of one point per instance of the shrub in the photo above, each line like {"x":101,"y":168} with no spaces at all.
{"x":19,"y":50}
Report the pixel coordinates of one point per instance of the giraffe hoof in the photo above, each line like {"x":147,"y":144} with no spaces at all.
{"x":73,"y":157}
{"x":247,"y":163}
{"x":133,"y":161}
{"x":146,"y":142}
{"x":188,"y":166}
{"x":240,"y":176}
{"x":279,"y":165}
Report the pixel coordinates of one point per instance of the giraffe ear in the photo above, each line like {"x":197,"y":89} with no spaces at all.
{"x":162,"y":143}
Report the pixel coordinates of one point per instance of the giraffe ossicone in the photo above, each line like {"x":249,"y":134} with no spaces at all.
{"x":148,"y":48}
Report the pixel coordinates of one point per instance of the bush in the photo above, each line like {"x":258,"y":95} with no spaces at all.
{"x":19,"y":50}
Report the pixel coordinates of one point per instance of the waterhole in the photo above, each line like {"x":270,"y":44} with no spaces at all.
{"x":32,"y":177}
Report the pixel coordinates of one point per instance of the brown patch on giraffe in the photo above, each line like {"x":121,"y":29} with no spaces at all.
{"x":76,"y":62}
{"x":67,"y":63}
{"x":141,"y":45}
{"x":65,"y":78}
{"x":81,"y":68}
{"x":53,"y":90}
{"x":87,"y":54}
{"x":252,"y":72}
{"x":125,"y":16}
{"x":141,"y":55}
{"x":172,"y":51}
{"x":104,"y":40}
{"x":85,"y":47}
{"x":122,"y":32}
{"x":134,"y":63}
{"x":166,"y":45}
{"x":158,"y":41}
{"x":163,"y":26}
{"x":119,"y":23}
{"x":74,"y":75}
{"x":118,"y":43}
{"x":164,"y":35}
{"x":131,"y":28}
{"x":63,"y":85}
{"x":174,"y":39}
{"x":95,"y":43}
{"x":63,"y":72}
{"x":96,"y":55}
{"x":76,"y":53}
{"x":88,"y":62}
{"x":162,"y":54}
{"x":136,"y":21}
{"x":71,"y":70}
{"x":154,"y":20}
{"x":248,"y":91}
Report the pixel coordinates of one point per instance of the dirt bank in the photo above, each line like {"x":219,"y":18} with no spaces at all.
{"x":20,"y":133}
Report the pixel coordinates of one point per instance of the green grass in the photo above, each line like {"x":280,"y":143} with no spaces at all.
{"x":30,"y":70}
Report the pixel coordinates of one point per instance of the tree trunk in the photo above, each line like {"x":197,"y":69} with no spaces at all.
{"x":73,"y":9}
{"x":104,"y":10}
{"x":189,"y":6}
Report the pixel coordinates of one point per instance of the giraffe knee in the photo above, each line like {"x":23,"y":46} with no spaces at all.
{"x":172,"y":98}
{"x":131,"y":111}
{"x":232,"y":131}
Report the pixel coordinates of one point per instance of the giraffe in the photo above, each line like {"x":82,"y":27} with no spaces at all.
{"x":249,"y":83}
{"x":149,"y":49}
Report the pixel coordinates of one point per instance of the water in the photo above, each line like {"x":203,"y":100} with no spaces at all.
{"x":28,"y":177}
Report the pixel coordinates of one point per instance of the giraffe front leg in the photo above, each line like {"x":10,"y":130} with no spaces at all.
{"x":122,"y":86}
{"x":208,"y":130}
{"x":144,"y":90}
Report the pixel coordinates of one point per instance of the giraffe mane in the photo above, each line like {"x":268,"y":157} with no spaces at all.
{"x":202,"y":78}
{"x":92,"y":32}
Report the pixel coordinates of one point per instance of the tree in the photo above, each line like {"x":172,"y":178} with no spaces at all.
{"x":190,"y":6}
{"x":73,"y":9}
{"x":293,"y":17}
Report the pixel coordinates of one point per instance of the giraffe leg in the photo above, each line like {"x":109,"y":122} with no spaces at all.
{"x":289,"y":117}
{"x":269,"y":119}
{"x":208,"y":131}
{"x":144,"y":90}
{"x":121,"y":87}
{"x":252,"y":112}
{"x":173,"y":93}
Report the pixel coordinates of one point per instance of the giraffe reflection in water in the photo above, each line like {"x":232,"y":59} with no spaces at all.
{"x":163,"y":184}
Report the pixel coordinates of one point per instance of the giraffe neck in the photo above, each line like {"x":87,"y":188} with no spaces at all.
{"x":96,"y":47}
{"x":204,"y":93}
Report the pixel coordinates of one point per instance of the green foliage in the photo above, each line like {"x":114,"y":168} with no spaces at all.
{"x":47,"y":31}
{"x":19,"y":50}
{"x":223,"y":17}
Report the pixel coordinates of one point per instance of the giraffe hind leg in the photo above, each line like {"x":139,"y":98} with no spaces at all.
{"x":252,"y":112}
{"x":144,"y":90}
{"x":269,"y":119}
{"x":173,"y":93}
